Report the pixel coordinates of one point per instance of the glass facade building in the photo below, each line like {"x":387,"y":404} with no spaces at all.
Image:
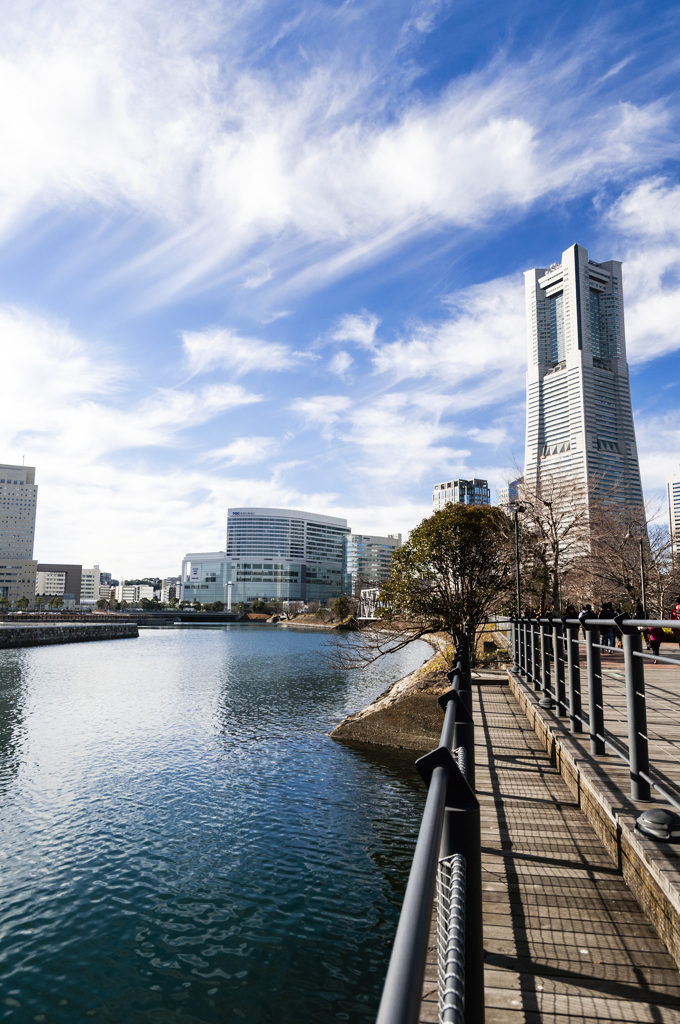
{"x":368,"y":560}
{"x":461,"y":492}
{"x":271,"y":554}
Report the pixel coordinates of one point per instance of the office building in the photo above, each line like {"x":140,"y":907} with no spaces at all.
{"x":133,"y":593}
{"x":673,"y":496}
{"x":90,"y":581}
{"x":368,"y":560}
{"x":460,"y":492}
{"x":508,"y":495}
{"x":171,"y":589}
{"x":271,"y":554}
{"x":56,"y":579}
{"x":580,"y":431}
{"x":18,"y":500}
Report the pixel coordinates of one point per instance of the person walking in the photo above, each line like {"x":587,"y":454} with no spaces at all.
{"x":655,"y":638}
{"x":608,"y":632}
{"x":675,"y":614}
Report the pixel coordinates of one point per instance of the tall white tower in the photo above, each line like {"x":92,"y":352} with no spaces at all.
{"x":18,"y":497}
{"x":579,"y":415}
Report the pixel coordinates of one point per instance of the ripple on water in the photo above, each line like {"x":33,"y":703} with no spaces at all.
{"x":181,"y":841}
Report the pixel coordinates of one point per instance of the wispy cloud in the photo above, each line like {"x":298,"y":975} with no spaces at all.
{"x":221,"y":348}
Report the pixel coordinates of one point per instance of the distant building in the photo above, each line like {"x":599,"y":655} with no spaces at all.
{"x":673,"y":495}
{"x":368,"y":559}
{"x":17,"y":579}
{"x":134,"y":593}
{"x":461,"y":492}
{"x":90,"y":581}
{"x":18,"y":500}
{"x":508,"y":495}
{"x":272,"y":554}
{"x":57,"y":579}
{"x":171,"y":589}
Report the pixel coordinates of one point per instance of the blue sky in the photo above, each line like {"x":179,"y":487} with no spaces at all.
{"x":261,"y":253}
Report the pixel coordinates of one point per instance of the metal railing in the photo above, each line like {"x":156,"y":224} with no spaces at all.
{"x":447,"y":860}
{"x":547,"y":654}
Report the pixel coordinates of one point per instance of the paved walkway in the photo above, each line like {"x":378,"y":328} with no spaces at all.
{"x":565,"y":939}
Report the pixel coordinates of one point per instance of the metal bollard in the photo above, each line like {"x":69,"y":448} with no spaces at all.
{"x":594,"y":670}
{"x":638,"y":747}
{"x":573,"y":678}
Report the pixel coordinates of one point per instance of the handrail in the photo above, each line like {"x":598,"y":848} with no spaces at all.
{"x":551,"y":636}
{"x":447,"y":851}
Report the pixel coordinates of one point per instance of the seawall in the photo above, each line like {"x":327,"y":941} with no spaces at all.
{"x":41,"y":634}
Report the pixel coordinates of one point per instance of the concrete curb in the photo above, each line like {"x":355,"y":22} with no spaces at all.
{"x":651,"y":870}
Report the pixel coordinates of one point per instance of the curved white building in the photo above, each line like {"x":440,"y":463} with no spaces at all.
{"x":271,"y":554}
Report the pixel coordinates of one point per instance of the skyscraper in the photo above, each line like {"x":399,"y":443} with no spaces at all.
{"x":673,"y":494}
{"x":579,"y":416}
{"x":18,"y":498}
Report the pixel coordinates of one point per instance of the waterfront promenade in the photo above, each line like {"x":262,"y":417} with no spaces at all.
{"x":564,"y":937}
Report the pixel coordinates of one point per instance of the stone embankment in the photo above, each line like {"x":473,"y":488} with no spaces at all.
{"x":39,"y":635}
{"x":407,"y":714}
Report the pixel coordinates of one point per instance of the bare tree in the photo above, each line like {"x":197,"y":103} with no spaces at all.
{"x":554,"y":520}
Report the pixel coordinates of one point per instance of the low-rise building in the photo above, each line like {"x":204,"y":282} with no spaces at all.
{"x":134,"y":593}
{"x":17,"y":579}
{"x":58,"y":579}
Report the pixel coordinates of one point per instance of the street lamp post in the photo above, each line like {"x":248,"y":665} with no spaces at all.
{"x":519,"y":591}
{"x":642,"y":577}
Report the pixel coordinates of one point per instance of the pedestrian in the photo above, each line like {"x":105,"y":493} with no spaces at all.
{"x":607,"y":632}
{"x":586,"y":613}
{"x":655,"y":638}
{"x":675,"y":614}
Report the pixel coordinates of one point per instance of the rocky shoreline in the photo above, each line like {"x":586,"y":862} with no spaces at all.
{"x":406,"y":715}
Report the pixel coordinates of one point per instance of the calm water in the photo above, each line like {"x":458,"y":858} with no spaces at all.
{"x":181,"y":842}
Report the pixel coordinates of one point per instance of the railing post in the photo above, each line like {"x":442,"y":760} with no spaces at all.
{"x":515,"y":643}
{"x":462,"y":834}
{"x":558,"y":662}
{"x":535,"y":656}
{"x":594,"y":671}
{"x":573,"y":677}
{"x":546,"y":699}
{"x":638,"y":746}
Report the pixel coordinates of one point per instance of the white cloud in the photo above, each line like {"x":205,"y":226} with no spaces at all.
{"x":159,"y":112}
{"x":322,"y":410}
{"x":243,"y":451}
{"x":218,"y":347}
{"x":358,"y":328}
{"x":479,"y":351}
{"x":340,"y":363}
{"x":648,"y":219}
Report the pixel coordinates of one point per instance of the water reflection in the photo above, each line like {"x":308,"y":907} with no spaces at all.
{"x":12,"y":716}
{"x":186,"y":841}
